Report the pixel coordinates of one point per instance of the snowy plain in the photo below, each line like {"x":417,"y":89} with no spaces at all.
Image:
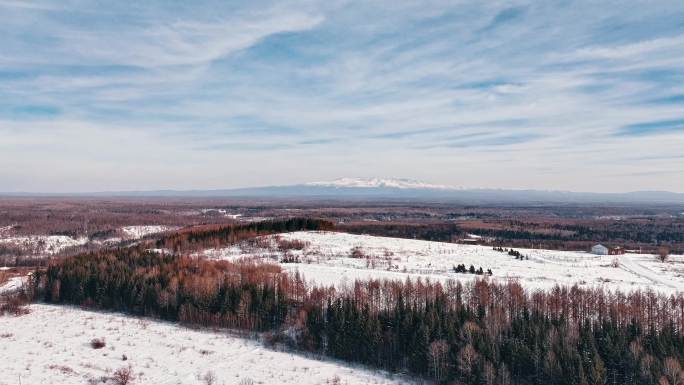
{"x":327,"y":259}
{"x":44,"y":244}
{"x":51,"y":345}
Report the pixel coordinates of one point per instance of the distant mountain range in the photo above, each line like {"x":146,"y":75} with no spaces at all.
{"x":399,"y":189}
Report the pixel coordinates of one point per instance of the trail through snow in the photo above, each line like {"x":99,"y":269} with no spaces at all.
{"x":635,"y":267}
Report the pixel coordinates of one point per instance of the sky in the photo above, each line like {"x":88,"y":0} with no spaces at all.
{"x":553,"y":95}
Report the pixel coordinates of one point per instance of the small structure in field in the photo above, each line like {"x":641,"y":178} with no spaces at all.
{"x":603,"y":250}
{"x":617,"y":250}
{"x":599,"y":250}
{"x":468,"y":241}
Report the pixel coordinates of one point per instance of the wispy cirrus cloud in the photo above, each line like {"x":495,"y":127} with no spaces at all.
{"x":466,"y":93}
{"x":654,"y":127}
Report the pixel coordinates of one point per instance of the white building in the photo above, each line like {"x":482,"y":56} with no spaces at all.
{"x":599,"y":250}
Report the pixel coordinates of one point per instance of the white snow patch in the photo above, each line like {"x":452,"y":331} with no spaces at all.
{"x":13,"y":285}
{"x":4,"y":230}
{"x":223,"y":212}
{"x":137,"y":232}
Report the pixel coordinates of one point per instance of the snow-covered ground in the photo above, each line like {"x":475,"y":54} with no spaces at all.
{"x":48,"y":245}
{"x":223,"y":212}
{"x":51,"y":345}
{"x":327,"y":260}
{"x":13,"y":284}
{"x":4,"y":230}
{"x":44,"y":244}
{"x":136,"y":232}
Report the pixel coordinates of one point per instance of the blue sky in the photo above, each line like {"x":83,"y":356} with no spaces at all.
{"x":570,"y":95}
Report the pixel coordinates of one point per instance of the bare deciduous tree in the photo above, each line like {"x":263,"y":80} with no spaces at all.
{"x":123,"y":376}
{"x":439,"y":356}
{"x":673,"y":371}
{"x":209,"y":378}
{"x":467,"y":359}
{"x":663,"y":253}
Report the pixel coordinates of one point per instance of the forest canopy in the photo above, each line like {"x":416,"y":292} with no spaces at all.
{"x":476,"y":333}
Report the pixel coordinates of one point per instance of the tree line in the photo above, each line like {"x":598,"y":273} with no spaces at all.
{"x":198,"y":238}
{"x":436,"y":231}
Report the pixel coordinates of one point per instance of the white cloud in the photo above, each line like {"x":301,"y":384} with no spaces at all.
{"x":631,"y":50}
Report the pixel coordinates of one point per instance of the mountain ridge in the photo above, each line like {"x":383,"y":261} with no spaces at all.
{"x":393,"y":189}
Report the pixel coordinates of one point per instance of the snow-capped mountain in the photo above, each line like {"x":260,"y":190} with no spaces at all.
{"x":379,"y":183}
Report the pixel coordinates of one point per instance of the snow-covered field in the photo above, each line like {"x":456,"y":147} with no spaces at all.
{"x":44,"y":244}
{"x":51,"y":345}
{"x":326,"y":259}
{"x":13,"y":284}
{"x":136,"y":232}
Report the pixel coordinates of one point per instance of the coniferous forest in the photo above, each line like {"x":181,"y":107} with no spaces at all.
{"x":475,"y":333}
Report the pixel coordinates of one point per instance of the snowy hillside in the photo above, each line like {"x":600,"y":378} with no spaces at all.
{"x":326,"y":258}
{"x":44,"y":244}
{"x":51,"y":345}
